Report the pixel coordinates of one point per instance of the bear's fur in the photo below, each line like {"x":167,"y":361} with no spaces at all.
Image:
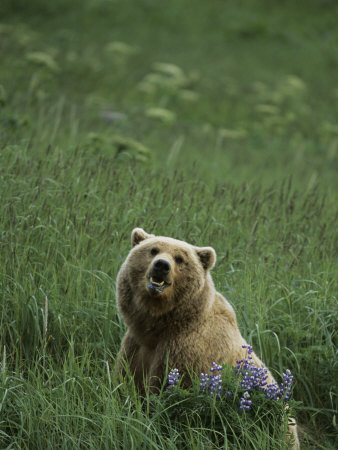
{"x":174,"y":315}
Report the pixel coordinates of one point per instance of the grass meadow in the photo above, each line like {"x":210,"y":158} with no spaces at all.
{"x":211,"y":122}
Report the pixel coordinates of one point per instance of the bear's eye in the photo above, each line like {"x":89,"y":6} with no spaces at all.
{"x":154,"y":251}
{"x":179,"y":259}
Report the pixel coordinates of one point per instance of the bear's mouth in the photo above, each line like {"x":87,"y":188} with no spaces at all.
{"x":157,"y":285}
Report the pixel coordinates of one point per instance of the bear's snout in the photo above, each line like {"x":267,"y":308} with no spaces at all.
{"x":161,"y":267}
{"x":159,"y":276}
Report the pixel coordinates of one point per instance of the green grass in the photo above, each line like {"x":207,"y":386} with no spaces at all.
{"x":233,"y":145}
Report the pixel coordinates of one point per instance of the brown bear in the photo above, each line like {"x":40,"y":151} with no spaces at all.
{"x":174,"y":314}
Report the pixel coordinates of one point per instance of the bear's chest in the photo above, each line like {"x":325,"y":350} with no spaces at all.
{"x":146,"y":357}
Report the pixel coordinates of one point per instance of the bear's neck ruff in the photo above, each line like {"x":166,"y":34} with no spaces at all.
{"x":150,"y":328}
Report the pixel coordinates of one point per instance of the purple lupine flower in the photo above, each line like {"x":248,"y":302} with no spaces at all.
{"x":215,"y":386}
{"x":245,"y":402}
{"x":215,"y":367}
{"x":252,"y":375}
{"x":281,"y":391}
{"x":255,"y":377}
{"x":204,"y":378}
{"x":244,"y":364}
{"x":173,"y":377}
{"x":272,"y":391}
{"x":286,"y":386}
{"x":212,"y":384}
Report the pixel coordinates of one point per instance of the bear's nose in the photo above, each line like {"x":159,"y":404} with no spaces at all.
{"x":161,"y":267}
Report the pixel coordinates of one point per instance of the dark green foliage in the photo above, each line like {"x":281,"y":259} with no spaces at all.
{"x":218,"y":420}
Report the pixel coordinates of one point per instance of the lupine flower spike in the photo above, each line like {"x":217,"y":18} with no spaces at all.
{"x":283,"y":390}
{"x":255,"y":377}
{"x":286,"y":386}
{"x":245,"y":402}
{"x":252,"y":376}
{"x":173,"y":378}
{"x":212,"y":384}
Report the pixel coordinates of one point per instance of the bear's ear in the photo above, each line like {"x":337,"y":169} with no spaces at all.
{"x":138,"y":235}
{"x":207,"y":255}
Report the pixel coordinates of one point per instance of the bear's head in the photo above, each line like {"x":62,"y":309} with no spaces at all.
{"x":165,"y":273}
